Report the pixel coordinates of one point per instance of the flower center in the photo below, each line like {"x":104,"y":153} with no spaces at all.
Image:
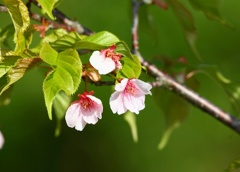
{"x":85,"y":101}
{"x":130,"y":88}
{"x":109,"y":53}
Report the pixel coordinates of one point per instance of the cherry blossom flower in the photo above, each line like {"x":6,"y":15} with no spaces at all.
{"x":129,"y":95}
{"x":106,"y":61}
{"x":87,"y":110}
{"x":1,"y":140}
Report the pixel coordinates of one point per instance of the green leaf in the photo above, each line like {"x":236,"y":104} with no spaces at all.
{"x":131,"y":68}
{"x":123,"y":49}
{"x":52,"y":37}
{"x":210,"y":8}
{"x":7,"y":32}
{"x":66,"y":75}
{"x":21,"y":21}
{"x":60,"y":105}
{"x":97,"y":41}
{"x":67,"y":40}
{"x":17,"y":71}
{"x":48,"y":54}
{"x":7,"y":61}
{"x":47,"y":6}
{"x":175,"y":110}
{"x":131,"y":120}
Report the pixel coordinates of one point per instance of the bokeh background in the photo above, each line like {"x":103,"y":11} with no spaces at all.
{"x":201,"y":144}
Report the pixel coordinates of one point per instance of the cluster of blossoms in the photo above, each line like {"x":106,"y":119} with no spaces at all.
{"x":129,"y":93}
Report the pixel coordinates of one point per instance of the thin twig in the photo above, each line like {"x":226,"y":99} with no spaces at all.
{"x":172,"y":85}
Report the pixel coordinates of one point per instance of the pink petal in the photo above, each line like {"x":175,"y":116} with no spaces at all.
{"x":73,"y":114}
{"x":99,"y":106}
{"x":90,"y":119}
{"x":143,"y":86}
{"x":116,"y":103}
{"x":1,"y":140}
{"x":121,"y":86}
{"x":134,"y":104}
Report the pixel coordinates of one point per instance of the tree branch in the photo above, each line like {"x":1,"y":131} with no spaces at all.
{"x":170,"y":84}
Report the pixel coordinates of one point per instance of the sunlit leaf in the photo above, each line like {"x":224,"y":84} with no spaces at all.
{"x":21,"y":20}
{"x":52,"y":37}
{"x":48,"y":54}
{"x":18,"y":70}
{"x":60,"y":105}
{"x":123,"y":49}
{"x":66,"y":75}
{"x":47,"y":6}
{"x":131,"y":120}
{"x":131,"y":68}
{"x":66,"y":41}
{"x":98,"y":40}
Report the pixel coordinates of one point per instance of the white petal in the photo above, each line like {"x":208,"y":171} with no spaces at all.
{"x":80,"y":124}
{"x":121,"y":86}
{"x":99,"y":106}
{"x":1,"y":140}
{"x":97,"y":59}
{"x":72,"y":114}
{"x":107,"y":66}
{"x":116,"y":103}
{"x":143,"y":86}
{"x":134,"y":104}
{"x":91,"y":119}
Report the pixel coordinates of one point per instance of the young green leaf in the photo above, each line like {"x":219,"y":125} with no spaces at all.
{"x":131,"y":68}
{"x":21,"y":20}
{"x":131,"y":120}
{"x":48,"y":54}
{"x":97,"y":41}
{"x":17,"y":71}
{"x":47,"y":6}
{"x":66,"y":75}
{"x":67,"y":40}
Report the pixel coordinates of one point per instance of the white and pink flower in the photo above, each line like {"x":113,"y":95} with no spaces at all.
{"x":87,"y":110}
{"x":129,"y":95}
{"x":1,"y":140}
{"x":106,"y":61}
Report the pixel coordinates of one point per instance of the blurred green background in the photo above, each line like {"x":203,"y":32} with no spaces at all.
{"x":201,"y":144}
